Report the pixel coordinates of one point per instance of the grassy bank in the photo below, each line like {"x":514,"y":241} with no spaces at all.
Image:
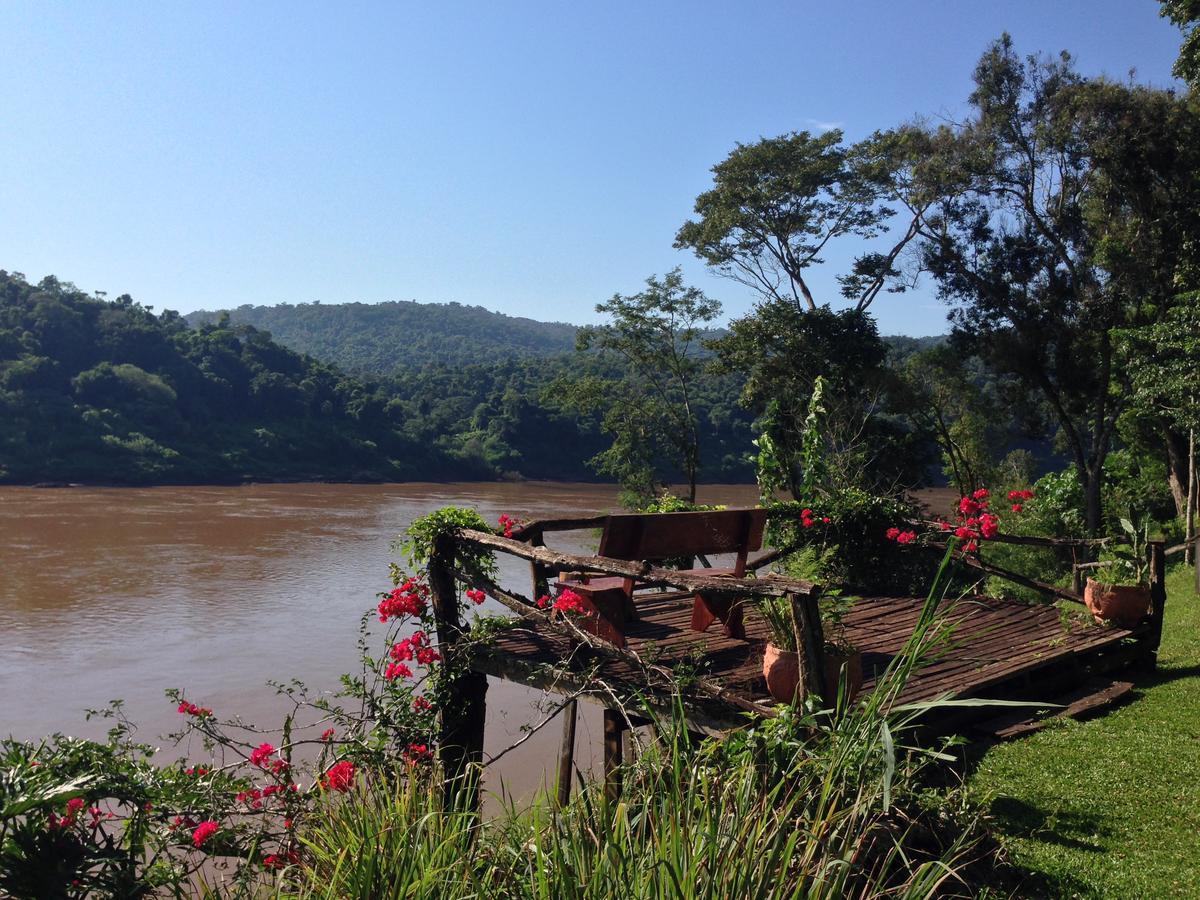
{"x":1111,"y":807}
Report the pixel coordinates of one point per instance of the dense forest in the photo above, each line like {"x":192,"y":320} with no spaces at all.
{"x":106,"y":391}
{"x":394,"y":337}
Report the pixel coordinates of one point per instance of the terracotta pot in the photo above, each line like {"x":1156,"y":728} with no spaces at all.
{"x":781,"y":669}
{"x":1124,"y":605}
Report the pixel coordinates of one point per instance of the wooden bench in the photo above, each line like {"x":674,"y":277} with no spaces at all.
{"x":662,"y":538}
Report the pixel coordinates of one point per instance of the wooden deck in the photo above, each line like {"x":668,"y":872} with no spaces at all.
{"x":997,"y":648}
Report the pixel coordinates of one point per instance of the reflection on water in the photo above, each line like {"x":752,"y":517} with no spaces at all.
{"x":122,"y":592}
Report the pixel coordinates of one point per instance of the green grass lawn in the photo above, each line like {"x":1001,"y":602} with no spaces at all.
{"x":1111,"y":807}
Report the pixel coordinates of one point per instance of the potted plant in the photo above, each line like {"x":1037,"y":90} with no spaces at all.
{"x":781,"y":659}
{"x":1120,"y":592}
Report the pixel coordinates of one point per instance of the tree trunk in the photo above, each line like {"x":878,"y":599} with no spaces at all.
{"x":1190,"y":554}
{"x":1178,"y":469}
{"x":1093,"y":486}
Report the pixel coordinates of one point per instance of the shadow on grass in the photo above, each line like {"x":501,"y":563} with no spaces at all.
{"x":1165,"y":674}
{"x":1019,"y":819}
{"x":1065,"y":828}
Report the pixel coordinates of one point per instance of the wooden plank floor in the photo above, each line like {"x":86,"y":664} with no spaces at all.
{"x":994,"y":645}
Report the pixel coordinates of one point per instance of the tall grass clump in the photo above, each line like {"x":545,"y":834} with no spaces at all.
{"x":816,"y":802}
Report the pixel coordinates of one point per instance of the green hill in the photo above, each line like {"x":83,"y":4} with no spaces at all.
{"x":109,"y":392}
{"x":396,"y":337}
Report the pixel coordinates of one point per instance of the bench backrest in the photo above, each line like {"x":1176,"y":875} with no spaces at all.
{"x":655,"y":536}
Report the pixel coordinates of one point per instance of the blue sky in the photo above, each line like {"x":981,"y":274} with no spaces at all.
{"x":532,"y":158}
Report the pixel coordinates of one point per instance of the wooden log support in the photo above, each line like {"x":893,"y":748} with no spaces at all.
{"x":566,"y":755}
{"x":810,"y":642}
{"x":538,"y":572}
{"x":614,"y":740}
{"x":1009,"y":575}
{"x":1158,"y":596}
{"x":461,"y":717}
{"x":646,"y":574}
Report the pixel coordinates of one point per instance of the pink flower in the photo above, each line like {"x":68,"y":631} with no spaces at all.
{"x":981,"y":494}
{"x":906,"y":537}
{"x":397,"y":670}
{"x":327,"y":734}
{"x":191,"y":709}
{"x":826,"y":519}
{"x":893,"y":533}
{"x":417,"y":753}
{"x":543,"y":601}
{"x":989,"y":525}
{"x":420,"y":704}
{"x":1017,"y":507}
{"x":476,"y":597}
{"x":406,"y":600}
{"x":569,"y":601}
{"x":204,"y":831}
{"x":339,"y":776}
{"x":260,"y":754}
{"x":507,"y":522}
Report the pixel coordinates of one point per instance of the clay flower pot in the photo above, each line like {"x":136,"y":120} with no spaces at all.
{"x":781,"y":669}
{"x":1124,"y":605}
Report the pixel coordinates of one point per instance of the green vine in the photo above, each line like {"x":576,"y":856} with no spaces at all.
{"x":425,"y":530}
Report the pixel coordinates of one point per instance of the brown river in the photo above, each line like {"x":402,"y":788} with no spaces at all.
{"x":112,"y":593}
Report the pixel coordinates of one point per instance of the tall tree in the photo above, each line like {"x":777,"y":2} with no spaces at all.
{"x":1186,"y":14}
{"x":777,"y":205}
{"x":651,"y":412}
{"x":1060,"y":210}
{"x":775,"y":209}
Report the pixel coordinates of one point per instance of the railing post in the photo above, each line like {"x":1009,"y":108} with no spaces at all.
{"x":810,"y":644}
{"x":614,"y":733}
{"x":566,"y":755}
{"x":541,"y":584}
{"x":1156,"y":557}
{"x":462,"y":713}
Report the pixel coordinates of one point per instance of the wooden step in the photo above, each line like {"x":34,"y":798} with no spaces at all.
{"x":1091,"y":698}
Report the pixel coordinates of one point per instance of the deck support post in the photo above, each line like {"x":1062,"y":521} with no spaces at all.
{"x":541,"y":584}
{"x":566,"y":755}
{"x":461,"y":717}
{"x":1157,"y":559}
{"x":614,"y":733}
{"x":810,"y":645}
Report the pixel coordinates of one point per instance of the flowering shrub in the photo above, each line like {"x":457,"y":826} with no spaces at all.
{"x":974,"y":520}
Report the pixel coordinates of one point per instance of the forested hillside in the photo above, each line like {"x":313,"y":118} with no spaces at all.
{"x":109,"y":392}
{"x":394,"y":337}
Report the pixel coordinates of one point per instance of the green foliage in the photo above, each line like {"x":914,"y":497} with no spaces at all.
{"x":775,"y":207}
{"x":1062,"y":209}
{"x":651,"y":410}
{"x":1186,"y":15}
{"x":424,"y":531}
{"x":854,"y":551}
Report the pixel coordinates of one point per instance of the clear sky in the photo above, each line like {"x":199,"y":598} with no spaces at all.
{"x":532,"y":158}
